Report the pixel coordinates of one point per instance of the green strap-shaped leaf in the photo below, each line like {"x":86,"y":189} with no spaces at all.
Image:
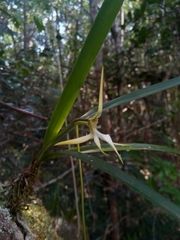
{"x":128,"y":147}
{"x":144,"y":92}
{"x":154,"y":197}
{"x":92,"y":45}
{"x":119,"y":147}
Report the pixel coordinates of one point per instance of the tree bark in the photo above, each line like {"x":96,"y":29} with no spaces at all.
{"x":26,"y":42}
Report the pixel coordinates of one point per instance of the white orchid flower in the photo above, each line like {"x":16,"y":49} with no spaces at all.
{"x":92,"y":124}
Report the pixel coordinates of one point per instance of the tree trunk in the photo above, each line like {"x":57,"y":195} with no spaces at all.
{"x":26,"y":41}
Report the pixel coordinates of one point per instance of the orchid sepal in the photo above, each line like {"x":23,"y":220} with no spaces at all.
{"x":75,"y":140}
{"x":92,"y":124}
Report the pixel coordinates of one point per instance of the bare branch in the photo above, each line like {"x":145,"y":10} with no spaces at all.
{"x":23,"y":111}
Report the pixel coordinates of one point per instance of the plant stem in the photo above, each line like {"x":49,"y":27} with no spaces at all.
{"x":82,"y":187}
{"x":71,"y":158}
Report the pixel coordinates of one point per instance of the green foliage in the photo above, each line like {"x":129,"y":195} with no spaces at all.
{"x":39,"y":23}
{"x":137,"y":95}
{"x":136,"y":185}
{"x":143,"y":109}
{"x":81,"y":68}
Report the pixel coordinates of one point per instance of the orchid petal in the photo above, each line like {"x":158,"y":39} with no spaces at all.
{"x":107,"y":138}
{"x":92,"y":124}
{"x":97,"y":142}
{"x":76,"y":140}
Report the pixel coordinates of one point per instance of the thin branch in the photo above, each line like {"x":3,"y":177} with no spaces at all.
{"x":23,"y":111}
{"x":54,"y":180}
{"x":5,"y":142}
{"x":145,"y":127}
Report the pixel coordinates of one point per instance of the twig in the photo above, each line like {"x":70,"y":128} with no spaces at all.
{"x":23,"y":111}
{"x":54,"y":180}
{"x":145,"y":127}
{"x":5,"y":142}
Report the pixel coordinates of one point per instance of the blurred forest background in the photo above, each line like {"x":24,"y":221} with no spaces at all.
{"x":39,"y":43}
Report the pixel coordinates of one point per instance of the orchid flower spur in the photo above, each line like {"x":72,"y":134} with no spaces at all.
{"x":92,"y":124}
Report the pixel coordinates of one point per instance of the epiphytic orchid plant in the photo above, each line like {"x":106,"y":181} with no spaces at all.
{"x":54,"y":132}
{"x":24,"y":183}
{"x":92,"y":125}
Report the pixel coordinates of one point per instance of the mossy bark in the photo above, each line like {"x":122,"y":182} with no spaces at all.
{"x":33,"y":224}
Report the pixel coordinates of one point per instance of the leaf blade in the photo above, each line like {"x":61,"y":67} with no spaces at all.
{"x":92,"y":45}
{"x":138,"y":94}
{"x":129,"y":147}
{"x":154,"y":197}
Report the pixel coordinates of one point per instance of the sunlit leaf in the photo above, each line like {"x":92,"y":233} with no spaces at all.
{"x":39,"y":23}
{"x":86,"y":58}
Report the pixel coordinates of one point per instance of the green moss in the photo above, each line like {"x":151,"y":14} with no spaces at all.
{"x":40,"y":222}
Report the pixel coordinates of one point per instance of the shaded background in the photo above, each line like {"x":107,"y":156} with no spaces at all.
{"x":142,"y":48}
